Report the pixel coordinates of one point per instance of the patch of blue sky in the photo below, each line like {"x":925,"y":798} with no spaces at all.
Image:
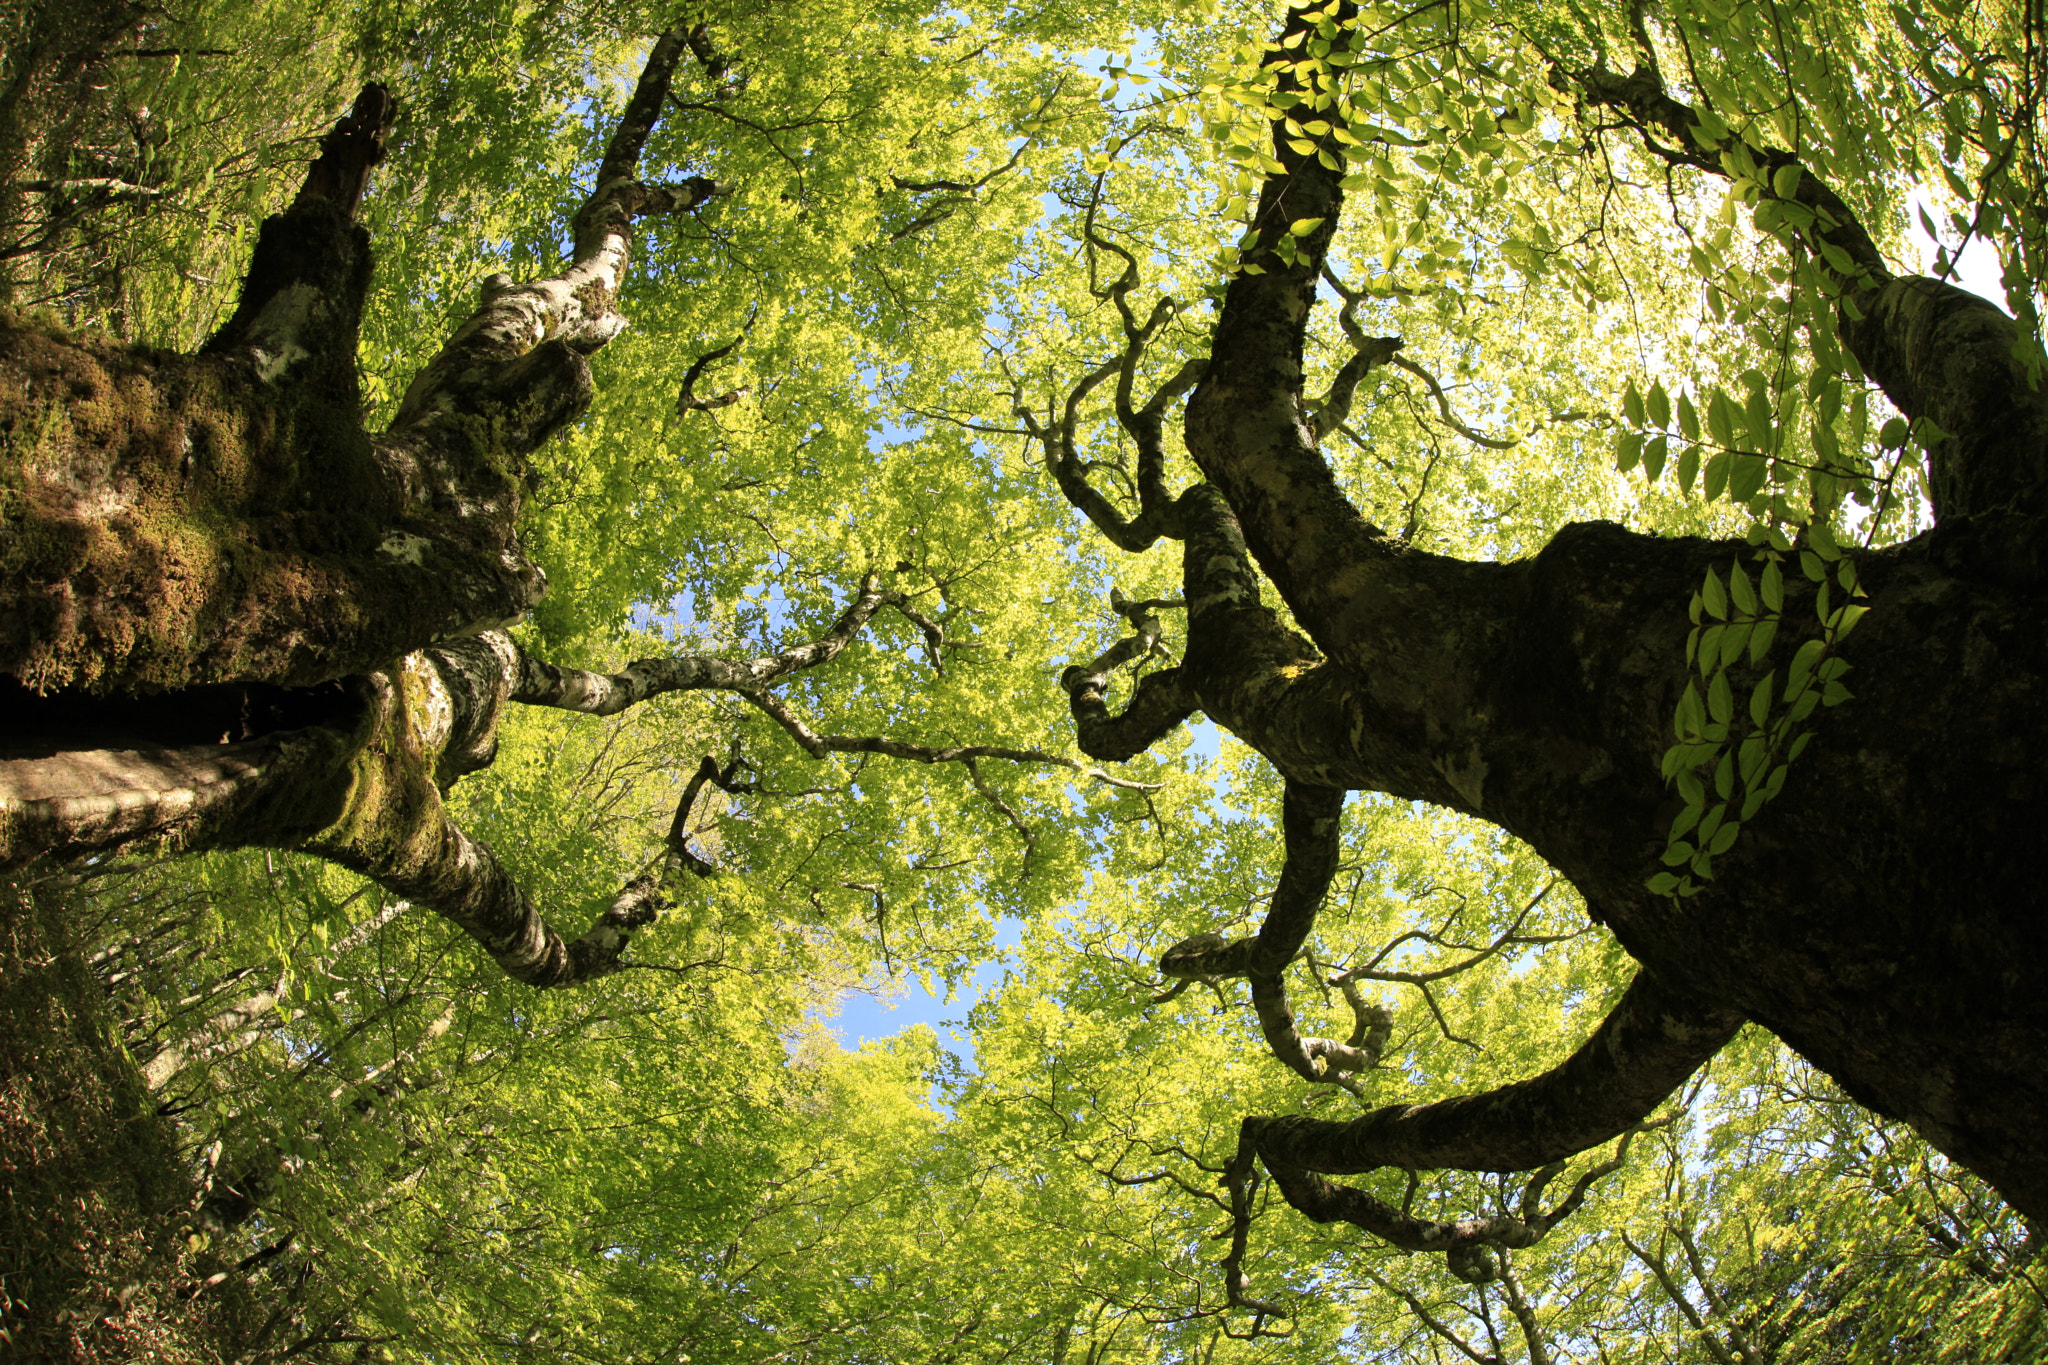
{"x":890,"y":1004}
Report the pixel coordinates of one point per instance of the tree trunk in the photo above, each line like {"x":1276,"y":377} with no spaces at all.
{"x":1881,"y":915}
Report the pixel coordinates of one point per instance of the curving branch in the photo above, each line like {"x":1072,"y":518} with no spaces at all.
{"x":1371,"y":353}
{"x":1309,"y":824}
{"x":1467,"y":1244}
{"x":1736,"y":1348}
{"x":1058,"y":438}
{"x":1143,"y":422}
{"x":1650,"y":1044}
{"x":1652,"y":1041}
{"x":687,"y":399}
{"x":1368,"y":354}
{"x":1156,"y":709}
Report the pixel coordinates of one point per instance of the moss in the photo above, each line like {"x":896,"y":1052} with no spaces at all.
{"x":167,"y":523}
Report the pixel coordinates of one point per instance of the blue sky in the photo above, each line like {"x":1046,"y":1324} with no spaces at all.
{"x":893,"y":1006}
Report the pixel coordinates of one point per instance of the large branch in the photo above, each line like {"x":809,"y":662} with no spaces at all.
{"x":1246,"y":424}
{"x":519,"y":355}
{"x":1646,"y":1048}
{"x":1939,"y":352}
{"x":1653,"y":1040}
{"x":395,"y":829}
{"x":302,"y":296}
{"x":1410,"y":630}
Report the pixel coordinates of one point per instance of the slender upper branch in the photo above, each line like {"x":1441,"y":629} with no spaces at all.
{"x":818,"y":746}
{"x":603,"y":694}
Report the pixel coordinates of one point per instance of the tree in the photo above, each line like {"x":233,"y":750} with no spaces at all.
{"x":216,"y":547}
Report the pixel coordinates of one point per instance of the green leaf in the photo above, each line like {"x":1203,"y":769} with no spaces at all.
{"x":1732,"y":642}
{"x":1749,"y":762}
{"x":1709,"y":654}
{"x":1688,"y":418}
{"x":1804,"y":660}
{"x":1657,"y":405}
{"x":1717,"y":475}
{"x":1628,"y":450}
{"x":1720,"y":700}
{"x":1632,"y":404}
{"x":1756,"y":420}
{"x":1714,"y":596}
{"x":1688,"y":467}
{"x":1771,"y":586}
{"x":1653,"y":458}
{"x":1760,"y":638}
{"x":1747,"y":477}
{"x":1740,"y":589}
{"x":1721,"y":418}
{"x":1690,"y":717}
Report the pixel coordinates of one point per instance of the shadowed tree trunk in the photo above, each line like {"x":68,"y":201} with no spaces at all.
{"x":232,"y":616}
{"x":1881,"y":916}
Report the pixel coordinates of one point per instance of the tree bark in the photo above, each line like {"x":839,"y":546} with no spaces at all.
{"x":1881,"y":916}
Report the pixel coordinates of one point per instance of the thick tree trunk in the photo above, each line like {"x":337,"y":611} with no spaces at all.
{"x":1881,"y":916}
{"x":232,"y":616}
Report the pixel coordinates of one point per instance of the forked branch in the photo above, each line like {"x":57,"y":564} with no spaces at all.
{"x":528,"y":327}
{"x":1157,"y":707}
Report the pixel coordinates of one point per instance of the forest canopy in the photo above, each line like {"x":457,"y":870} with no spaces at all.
{"x":1431,"y":613}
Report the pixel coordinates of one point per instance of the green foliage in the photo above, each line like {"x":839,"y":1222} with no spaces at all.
{"x":683,"y":1161}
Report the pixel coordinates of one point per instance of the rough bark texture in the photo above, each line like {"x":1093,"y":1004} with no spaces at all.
{"x":173,"y":521}
{"x":1882,"y":916}
{"x":220,"y":596}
